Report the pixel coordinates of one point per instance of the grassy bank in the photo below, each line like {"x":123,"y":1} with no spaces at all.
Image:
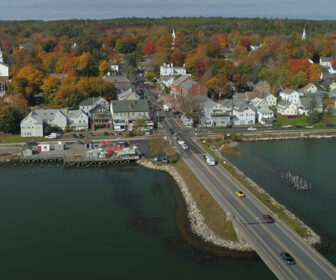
{"x":263,"y":197}
{"x":214,"y":216}
{"x":14,"y":138}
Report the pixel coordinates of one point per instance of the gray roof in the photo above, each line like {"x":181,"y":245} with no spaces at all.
{"x":180,"y":80}
{"x":209,"y":103}
{"x":288,"y":91}
{"x":167,"y":77}
{"x":306,"y":101}
{"x":241,"y":105}
{"x":264,"y":110}
{"x":200,"y":98}
{"x":188,"y":84}
{"x":284,"y":103}
{"x":226,"y":102}
{"x":130,"y":105}
{"x":116,"y":79}
{"x":128,"y":95}
{"x":90,"y":101}
{"x":325,"y":59}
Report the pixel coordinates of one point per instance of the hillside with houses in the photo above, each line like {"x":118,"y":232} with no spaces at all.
{"x":220,"y":73}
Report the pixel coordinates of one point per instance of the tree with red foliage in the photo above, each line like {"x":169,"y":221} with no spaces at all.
{"x":149,"y":48}
{"x":178,"y":58}
{"x":246,"y":42}
{"x":201,"y":66}
{"x":297,"y":65}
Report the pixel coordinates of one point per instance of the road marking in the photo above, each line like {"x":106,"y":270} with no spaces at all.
{"x":275,"y":238}
{"x":252,"y":214}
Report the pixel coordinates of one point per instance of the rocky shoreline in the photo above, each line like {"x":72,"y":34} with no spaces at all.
{"x":197,"y":222}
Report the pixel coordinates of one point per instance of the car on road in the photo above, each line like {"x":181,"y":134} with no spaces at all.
{"x":184,"y":146}
{"x":268,"y":218}
{"x":171,"y":131}
{"x":81,"y":136}
{"x":106,"y":133}
{"x":252,"y":128}
{"x":91,"y":134}
{"x":74,"y":135}
{"x":287,"y":258}
{"x":240,"y":194}
{"x":309,"y":126}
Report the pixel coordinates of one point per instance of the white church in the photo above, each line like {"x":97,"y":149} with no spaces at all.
{"x":4,"y":75}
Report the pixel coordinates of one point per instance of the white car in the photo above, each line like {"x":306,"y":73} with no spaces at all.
{"x":251,"y":128}
{"x":184,"y":146}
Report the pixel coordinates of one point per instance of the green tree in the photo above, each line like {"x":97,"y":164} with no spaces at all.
{"x":10,"y":119}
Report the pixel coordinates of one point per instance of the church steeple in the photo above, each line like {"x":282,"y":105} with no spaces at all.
{"x":173,"y":39}
{"x":304,"y":34}
{"x":1,"y":58}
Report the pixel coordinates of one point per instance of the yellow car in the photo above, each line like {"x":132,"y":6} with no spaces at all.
{"x":240,"y":194}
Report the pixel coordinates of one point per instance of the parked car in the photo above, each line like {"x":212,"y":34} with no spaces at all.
{"x":106,"y":133}
{"x":74,"y":135}
{"x":171,"y":131}
{"x":287,"y":258}
{"x":91,"y":134}
{"x":268,"y":218}
{"x":240,"y":194}
{"x":251,"y":128}
{"x":164,"y":159}
{"x":81,"y":135}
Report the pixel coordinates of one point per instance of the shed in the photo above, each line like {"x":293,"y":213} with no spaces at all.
{"x":27,"y":151}
{"x":59,"y":146}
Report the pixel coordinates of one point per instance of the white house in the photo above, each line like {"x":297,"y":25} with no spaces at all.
{"x":290,"y":95}
{"x":34,"y":123}
{"x":332,"y":86}
{"x":87,"y":104}
{"x":214,"y":114}
{"x":167,"y":80}
{"x":270,"y":100}
{"x":115,"y":68}
{"x":287,"y":108}
{"x":325,"y":61}
{"x":265,"y":115}
{"x":332,"y":69}
{"x":171,"y":70}
{"x":242,"y":113}
{"x":128,"y":95}
{"x":4,"y":76}
{"x":310,"y":87}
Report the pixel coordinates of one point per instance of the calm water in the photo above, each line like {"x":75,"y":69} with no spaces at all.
{"x":315,"y":160}
{"x":100,"y":224}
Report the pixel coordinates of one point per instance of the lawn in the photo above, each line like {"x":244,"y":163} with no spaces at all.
{"x":13,"y":138}
{"x":213,"y":214}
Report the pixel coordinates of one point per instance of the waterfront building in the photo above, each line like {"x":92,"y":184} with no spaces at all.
{"x":33,"y":125}
{"x":243,"y":113}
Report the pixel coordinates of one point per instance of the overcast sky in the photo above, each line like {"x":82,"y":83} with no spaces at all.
{"x":99,"y":9}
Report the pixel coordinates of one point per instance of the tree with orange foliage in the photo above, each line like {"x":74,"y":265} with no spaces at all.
{"x":314,"y":73}
{"x":104,"y":67}
{"x":50,"y":86}
{"x":27,"y":82}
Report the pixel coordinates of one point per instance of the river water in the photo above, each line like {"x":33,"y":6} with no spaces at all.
{"x":92,"y":223}
{"x":314,"y":160}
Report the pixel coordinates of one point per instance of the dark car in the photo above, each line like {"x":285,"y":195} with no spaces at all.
{"x":81,"y":136}
{"x":287,"y":258}
{"x":171,"y":131}
{"x":91,"y":134}
{"x":106,"y":133}
{"x":268,"y":219}
{"x":74,"y":136}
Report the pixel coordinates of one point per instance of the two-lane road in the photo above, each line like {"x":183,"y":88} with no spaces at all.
{"x":268,"y":239}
